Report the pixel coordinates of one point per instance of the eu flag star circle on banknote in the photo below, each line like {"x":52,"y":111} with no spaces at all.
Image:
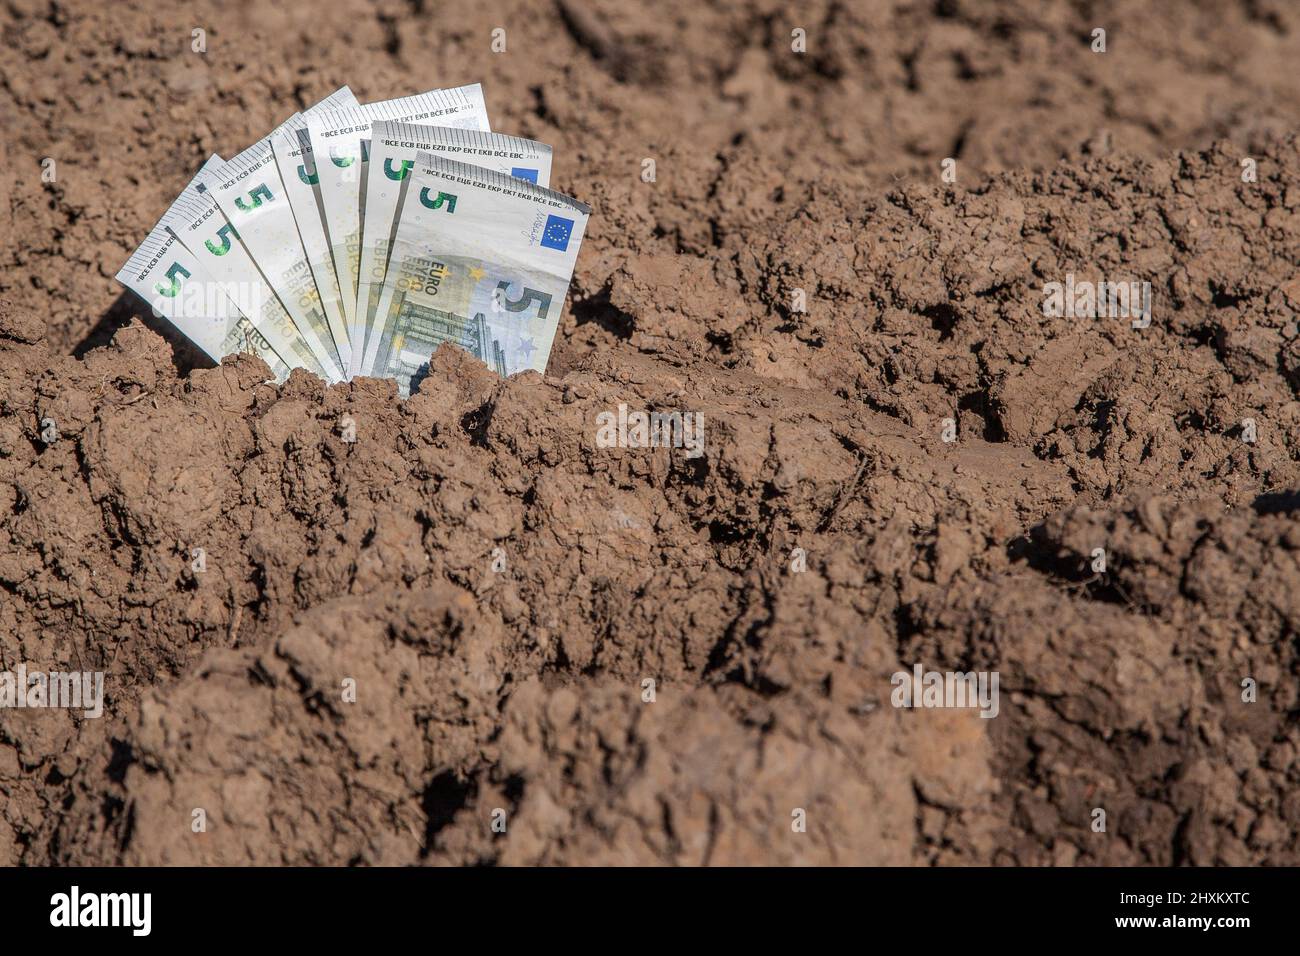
{"x":557,"y":232}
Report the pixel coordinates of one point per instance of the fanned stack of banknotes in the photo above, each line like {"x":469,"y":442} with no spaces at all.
{"x":355,"y":239}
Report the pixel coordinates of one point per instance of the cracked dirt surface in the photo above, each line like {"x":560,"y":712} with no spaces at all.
{"x":519,"y":689}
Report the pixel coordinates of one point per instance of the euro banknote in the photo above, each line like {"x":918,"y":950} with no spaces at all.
{"x":204,"y":231}
{"x":479,"y":259}
{"x":340,"y":143}
{"x":297,"y":167}
{"x":168,"y":277}
{"x":248,"y":191}
{"x":250,"y":194}
{"x":394,"y":145}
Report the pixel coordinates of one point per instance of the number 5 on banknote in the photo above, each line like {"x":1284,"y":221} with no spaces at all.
{"x":500,"y":303}
{"x":225,"y":234}
{"x":175,"y":273}
{"x":447,"y":198}
{"x":256,"y":195}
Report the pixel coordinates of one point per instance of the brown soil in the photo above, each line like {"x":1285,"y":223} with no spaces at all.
{"x":520,"y":688}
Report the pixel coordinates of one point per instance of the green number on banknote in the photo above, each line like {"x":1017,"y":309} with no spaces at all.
{"x":257,"y":195}
{"x":398,"y":174}
{"x":342,"y":162}
{"x":175,"y":273}
{"x":224,"y":234}
{"x":310,"y":179}
{"x":543,"y":300}
{"x":447,"y":198}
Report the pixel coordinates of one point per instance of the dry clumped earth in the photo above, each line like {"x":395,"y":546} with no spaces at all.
{"x":520,"y":689}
